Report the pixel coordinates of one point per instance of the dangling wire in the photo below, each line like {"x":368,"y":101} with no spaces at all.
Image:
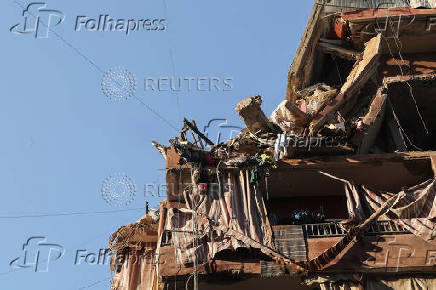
{"x":337,"y":70}
{"x":399,"y":46}
{"x":187,"y":282}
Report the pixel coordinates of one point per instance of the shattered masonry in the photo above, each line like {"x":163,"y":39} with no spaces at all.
{"x":335,"y":190}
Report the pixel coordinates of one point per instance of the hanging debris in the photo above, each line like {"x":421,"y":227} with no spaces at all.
{"x":289,"y":117}
{"x":254,"y":118}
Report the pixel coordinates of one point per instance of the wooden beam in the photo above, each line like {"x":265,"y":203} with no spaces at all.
{"x":365,"y":15}
{"x":359,"y":75}
{"x":195,"y":129}
{"x":339,"y":51}
{"x":299,"y":75}
{"x":328,"y":161}
{"x":199,"y":139}
{"x":372,"y":122}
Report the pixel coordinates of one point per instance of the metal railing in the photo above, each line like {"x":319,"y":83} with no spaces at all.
{"x":334,"y":230}
{"x":385,"y":227}
{"x":323,"y":230}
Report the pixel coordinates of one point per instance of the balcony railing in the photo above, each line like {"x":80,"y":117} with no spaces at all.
{"x":323,"y":230}
{"x":334,"y":230}
{"x":385,"y":227}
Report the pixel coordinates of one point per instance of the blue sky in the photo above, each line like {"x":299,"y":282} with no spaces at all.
{"x":61,"y":136}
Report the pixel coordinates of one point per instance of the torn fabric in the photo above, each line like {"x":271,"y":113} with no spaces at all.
{"x":235,"y":205}
{"x":415,"y":210}
{"x":136,"y":273}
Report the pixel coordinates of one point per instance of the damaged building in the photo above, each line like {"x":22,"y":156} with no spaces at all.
{"x":334,"y":190}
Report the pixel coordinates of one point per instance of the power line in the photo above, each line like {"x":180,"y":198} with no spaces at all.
{"x":95,"y":283}
{"x":14,"y":270}
{"x":69,"y":213}
{"x":157,"y":114}
{"x":93,"y":64}
{"x":173,"y":66}
{"x":81,"y":54}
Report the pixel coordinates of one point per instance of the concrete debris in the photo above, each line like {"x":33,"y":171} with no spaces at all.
{"x":319,"y":87}
{"x":339,"y":51}
{"x":369,"y":126}
{"x":289,"y":117}
{"x":251,"y":113}
{"x":318,"y":100}
{"x":359,"y":75}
